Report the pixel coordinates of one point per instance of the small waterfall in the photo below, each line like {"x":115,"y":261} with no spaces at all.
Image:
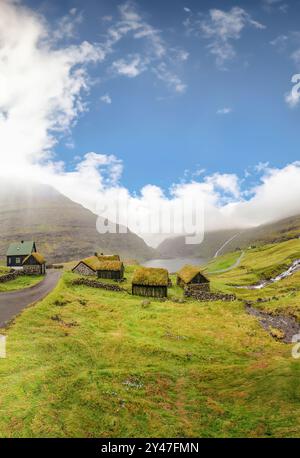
{"x":290,"y":271}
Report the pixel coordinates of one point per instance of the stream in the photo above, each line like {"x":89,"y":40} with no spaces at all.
{"x":290,"y":271}
{"x":287,"y":324}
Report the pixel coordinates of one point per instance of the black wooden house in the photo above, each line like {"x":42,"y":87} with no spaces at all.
{"x":18,"y":251}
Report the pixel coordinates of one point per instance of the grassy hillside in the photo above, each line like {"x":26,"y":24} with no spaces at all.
{"x":278,"y":231}
{"x":88,"y":362}
{"x":62,"y":229}
{"x":263,"y":263}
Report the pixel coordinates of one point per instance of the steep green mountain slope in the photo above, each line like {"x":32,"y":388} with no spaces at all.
{"x":62,"y":229}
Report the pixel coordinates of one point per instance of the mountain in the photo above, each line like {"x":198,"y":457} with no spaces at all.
{"x":62,"y":229}
{"x":176,"y":247}
{"x":276,"y":231}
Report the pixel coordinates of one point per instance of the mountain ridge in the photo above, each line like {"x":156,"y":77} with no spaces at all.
{"x":275,"y":231}
{"x":63,"y":230}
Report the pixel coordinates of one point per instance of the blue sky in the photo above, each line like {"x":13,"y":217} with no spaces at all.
{"x":155,"y":104}
{"x":158,"y":133}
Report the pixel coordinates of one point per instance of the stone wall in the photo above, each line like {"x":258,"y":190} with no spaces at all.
{"x":199,"y":287}
{"x":97,"y":284}
{"x":33,"y":269}
{"x":83,"y":269}
{"x":201,"y":295}
{"x":11,"y":275}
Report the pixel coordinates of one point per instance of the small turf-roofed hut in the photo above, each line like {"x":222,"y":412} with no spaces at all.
{"x":87,"y":266}
{"x":113,"y":270}
{"x":192,"y":276}
{"x":151,"y":282}
{"x":18,"y":251}
{"x":34,"y":264}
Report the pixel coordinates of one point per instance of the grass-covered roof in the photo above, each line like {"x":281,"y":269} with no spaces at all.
{"x":92,"y":262}
{"x":150,"y":276}
{"x":188,"y":272}
{"x":98,"y":263}
{"x":110,"y":265}
{"x":108,"y":257}
{"x":37,"y":256}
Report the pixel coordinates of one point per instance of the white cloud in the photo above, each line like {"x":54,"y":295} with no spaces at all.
{"x":222,"y":28}
{"x":186,"y":9}
{"x":270,"y":5}
{"x":280,"y":42}
{"x":224,"y":111}
{"x":171,"y":79}
{"x":131,"y":67}
{"x":106,"y":98}
{"x":66,"y":27}
{"x":42,"y":86}
{"x":156,"y":53}
{"x":292,"y":98}
{"x":226,"y":205}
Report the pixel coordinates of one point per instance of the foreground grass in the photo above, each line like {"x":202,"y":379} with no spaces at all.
{"x":4,"y":270}
{"x":89,"y":363}
{"x":24,"y":281}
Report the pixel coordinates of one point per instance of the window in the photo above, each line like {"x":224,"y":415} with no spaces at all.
{"x":18,"y":260}
{"x":9,"y":260}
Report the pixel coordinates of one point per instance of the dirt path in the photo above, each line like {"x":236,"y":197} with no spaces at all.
{"x":13,"y":302}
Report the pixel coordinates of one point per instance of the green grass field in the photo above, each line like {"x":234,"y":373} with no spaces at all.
{"x":86,"y":362}
{"x":223,"y":262}
{"x":21,"y":282}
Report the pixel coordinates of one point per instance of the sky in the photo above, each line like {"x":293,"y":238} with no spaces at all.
{"x":155,"y":102}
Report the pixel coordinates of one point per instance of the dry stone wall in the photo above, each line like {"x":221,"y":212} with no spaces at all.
{"x":11,"y":275}
{"x":97,"y":284}
{"x":202,"y":295}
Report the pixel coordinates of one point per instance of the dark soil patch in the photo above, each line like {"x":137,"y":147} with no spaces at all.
{"x":288,"y":325}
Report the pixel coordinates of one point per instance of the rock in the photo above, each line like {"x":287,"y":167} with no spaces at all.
{"x":11,"y":275}
{"x":145,"y":303}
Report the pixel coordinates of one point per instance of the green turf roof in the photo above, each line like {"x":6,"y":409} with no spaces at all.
{"x":188,"y":272}
{"x":150,"y":276}
{"x":110,"y":265}
{"x":108,"y":257}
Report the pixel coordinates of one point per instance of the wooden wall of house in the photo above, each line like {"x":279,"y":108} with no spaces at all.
{"x":180,"y":282}
{"x":197,"y":280}
{"x":110,"y":274}
{"x":11,"y":261}
{"x":150,"y":291}
{"x":32,"y":261}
